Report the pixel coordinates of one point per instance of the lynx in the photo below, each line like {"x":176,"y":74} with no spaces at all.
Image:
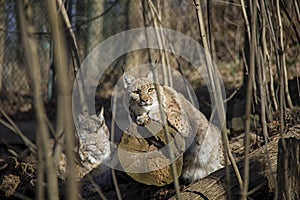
{"x":204,"y":156}
{"x":93,"y":149}
{"x":93,"y":138}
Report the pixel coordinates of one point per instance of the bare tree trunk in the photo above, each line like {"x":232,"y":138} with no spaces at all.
{"x":288,"y":169}
{"x":134,"y":20}
{"x":95,"y":26}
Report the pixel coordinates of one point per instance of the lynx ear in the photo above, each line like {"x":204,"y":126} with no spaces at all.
{"x":101,"y":114}
{"x":80,"y":118}
{"x":128,"y":79}
{"x":150,"y":76}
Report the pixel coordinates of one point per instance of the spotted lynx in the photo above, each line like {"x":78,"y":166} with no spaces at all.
{"x":144,"y":104}
{"x":93,"y":150}
{"x":93,"y":138}
{"x":204,"y":156}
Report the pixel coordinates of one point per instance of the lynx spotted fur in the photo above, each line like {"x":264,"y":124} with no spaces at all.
{"x":205,"y":155}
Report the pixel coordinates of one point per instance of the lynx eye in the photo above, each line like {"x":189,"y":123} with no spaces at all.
{"x":150,"y":89}
{"x":136,"y":92}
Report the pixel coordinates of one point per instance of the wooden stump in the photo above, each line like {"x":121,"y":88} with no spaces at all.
{"x":288,"y":170}
{"x":143,"y":153}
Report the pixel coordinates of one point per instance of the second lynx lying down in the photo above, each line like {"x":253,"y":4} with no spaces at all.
{"x":205,"y":155}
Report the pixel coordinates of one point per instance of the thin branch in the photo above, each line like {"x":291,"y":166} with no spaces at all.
{"x":112,"y":138}
{"x":281,"y":52}
{"x":262,"y":82}
{"x":263,"y":52}
{"x":96,"y":186}
{"x":273,"y":39}
{"x":167,"y":135}
{"x":297,"y":10}
{"x":294,"y":26}
{"x":64,"y":95}
{"x":217,"y":96}
{"x":156,"y":18}
{"x":69,"y":28}
{"x":249,"y":93}
{"x":14,"y":128}
{"x":246,"y":20}
{"x":283,"y":90}
{"x":86,"y":21}
{"x":232,"y":94}
{"x":31,"y":55}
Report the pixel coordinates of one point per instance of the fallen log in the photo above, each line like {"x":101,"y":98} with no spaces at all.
{"x":288,"y":168}
{"x":262,"y":184}
{"x":263,"y":168}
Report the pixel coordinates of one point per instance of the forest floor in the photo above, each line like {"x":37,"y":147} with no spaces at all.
{"x":18,"y":178}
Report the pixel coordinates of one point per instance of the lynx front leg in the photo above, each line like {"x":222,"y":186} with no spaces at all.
{"x":155,"y":115}
{"x":142,"y":119}
{"x":180,"y":123}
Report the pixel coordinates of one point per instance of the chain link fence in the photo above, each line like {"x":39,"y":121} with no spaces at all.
{"x":95,"y":20}
{"x":15,"y":84}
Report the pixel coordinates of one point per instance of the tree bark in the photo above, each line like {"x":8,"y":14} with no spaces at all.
{"x":2,"y":40}
{"x":95,"y":27}
{"x":288,"y":169}
{"x":262,"y":180}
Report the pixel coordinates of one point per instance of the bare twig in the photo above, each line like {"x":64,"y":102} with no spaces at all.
{"x":246,"y":20}
{"x":244,"y":192}
{"x":281,"y":53}
{"x":167,"y":135}
{"x":167,"y":81}
{"x":156,"y":19}
{"x":294,"y":26}
{"x":263,"y":85}
{"x":14,"y":128}
{"x":216,"y":93}
{"x":297,"y":10}
{"x":31,"y":54}
{"x":64,"y":95}
{"x":262,"y":80}
{"x":232,"y":95}
{"x":96,"y":186}
{"x":112,"y":138}
{"x":272,"y":35}
{"x":283,"y":85}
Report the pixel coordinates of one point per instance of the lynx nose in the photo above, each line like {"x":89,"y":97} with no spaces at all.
{"x":145,"y":99}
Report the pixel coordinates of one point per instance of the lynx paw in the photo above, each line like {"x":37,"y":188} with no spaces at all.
{"x":141,"y":120}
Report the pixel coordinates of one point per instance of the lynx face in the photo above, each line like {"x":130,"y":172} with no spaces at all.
{"x":142,"y":96}
{"x":93,"y":136}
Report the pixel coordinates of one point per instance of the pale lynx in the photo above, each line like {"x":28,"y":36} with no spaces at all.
{"x":204,"y":156}
{"x":93,"y":150}
{"x":93,"y":139}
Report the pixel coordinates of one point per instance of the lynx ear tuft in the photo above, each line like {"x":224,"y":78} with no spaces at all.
{"x":128,"y":79}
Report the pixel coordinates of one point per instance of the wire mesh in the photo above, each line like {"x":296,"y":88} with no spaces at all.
{"x":93,"y":22}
